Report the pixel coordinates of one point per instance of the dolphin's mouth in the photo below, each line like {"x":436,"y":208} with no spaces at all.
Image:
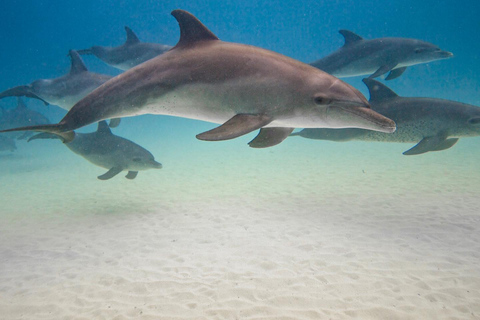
{"x":373,"y":120}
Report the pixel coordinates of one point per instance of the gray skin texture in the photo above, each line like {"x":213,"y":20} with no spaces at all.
{"x":64,"y":91}
{"x":434,"y":124}
{"x":242,"y":87}
{"x":131,"y":53}
{"x":17,"y":117}
{"x":7,"y":144}
{"x":378,"y":56}
{"x":106,"y":150}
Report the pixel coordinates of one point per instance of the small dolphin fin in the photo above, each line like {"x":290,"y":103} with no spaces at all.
{"x":58,"y":129}
{"x":21,"y":104}
{"x":378,"y":91}
{"x":268,"y":137}
{"x":21,"y":91}
{"x":110,"y":173}
{"x":103,"y":127}
{"x":382,"y":70}
{"x":25,"y":135}
{"x":191,"y":29}
{"x":350,"y":37}
{"x":77,"y":64}
{"x":131,"y":175}
{"x":237,"y":126}
{"x":44,"y":135}
{"x":434,"y":143}
{"x":115,"y":122}
{"x":395,"y":73}
{"x":131,"y":37}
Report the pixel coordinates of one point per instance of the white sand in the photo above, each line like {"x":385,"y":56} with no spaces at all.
{"x":305,"y":230}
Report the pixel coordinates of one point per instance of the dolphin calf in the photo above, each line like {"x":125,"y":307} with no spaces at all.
{"x":433,"y":124}
{"x":378,"y":56}
{"x":131,"y":53}
{"x":20,"y":116}
{"x":64,"y":91}
{"x":109,"y":151}
{"x":242,"y":87}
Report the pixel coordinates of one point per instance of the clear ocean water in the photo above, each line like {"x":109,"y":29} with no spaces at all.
{"x":303,"y":230}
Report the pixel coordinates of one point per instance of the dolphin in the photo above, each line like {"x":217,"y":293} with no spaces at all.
{"x":106,"y":150}
{"x":131,"y":53}
{"x":64,"y":91}
{"x":20,"y":116}
{"x":7,"y":144}
{"x":378,"y":56}
{"x":242,"y":87}
{"x":433,"y":124}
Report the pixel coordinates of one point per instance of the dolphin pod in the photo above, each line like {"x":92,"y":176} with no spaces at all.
{"x":241,"y":87}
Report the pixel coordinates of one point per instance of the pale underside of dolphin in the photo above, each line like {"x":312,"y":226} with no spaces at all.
{"x":433,"y":124}
{"x":131,"y":53}
{"x":109,"y":151}
{"x":64,"y":91}
{"x":242,"y":87}
{"x":379,"y":56}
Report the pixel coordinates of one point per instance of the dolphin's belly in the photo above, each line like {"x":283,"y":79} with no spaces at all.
{"x":218,"y":104}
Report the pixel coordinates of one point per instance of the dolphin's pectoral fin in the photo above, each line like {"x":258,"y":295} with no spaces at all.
{"x":435,"y":143}
{"x":110,"y":173}
{"x":382,"y":70}
{"x":131,"y":175}
{"x":269,"y":137}
{"x":395,"y":73}
{"x":25,"y":135}
{"x":115,"y":122}
{"x":237,"y":126}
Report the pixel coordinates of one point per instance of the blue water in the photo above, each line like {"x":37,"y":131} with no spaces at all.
{"x":310,"y":184}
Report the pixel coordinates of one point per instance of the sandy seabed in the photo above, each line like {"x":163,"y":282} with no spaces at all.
{"x":304,"y":230}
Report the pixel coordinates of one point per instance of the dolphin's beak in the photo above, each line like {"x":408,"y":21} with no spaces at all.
{"x":156,"y":165}
{"x":359,"y":116}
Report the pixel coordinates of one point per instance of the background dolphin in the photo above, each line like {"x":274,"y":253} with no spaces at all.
{"x":434,"y":124}
{"x":131,"y":53}
{"x":64,"y":91}
{"x":244,"y":87}
{"x":109,"y":151}
{"x":378,"y":56}
{"x":19,"y":116}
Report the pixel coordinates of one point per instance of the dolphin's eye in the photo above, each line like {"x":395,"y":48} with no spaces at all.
{"x":322,"y":100}
{"x":137,"y":159}
{"x":418,"y":50}
{"x":475,"y":120}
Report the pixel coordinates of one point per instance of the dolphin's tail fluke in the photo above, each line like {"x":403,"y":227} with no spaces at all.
{"x":56,"y":129}
{"x":84,"y":51}
{"x":21,"y":91}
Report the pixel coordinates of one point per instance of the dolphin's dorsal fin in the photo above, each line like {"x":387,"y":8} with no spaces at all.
{"x":378,"y":91}
{"x":103,"y":128}
{"x":21,"y":104}
{"x":131,"y":37}
{"x":350,"y":37}
{"x":191,"y":29}
{"x":77,"y":64}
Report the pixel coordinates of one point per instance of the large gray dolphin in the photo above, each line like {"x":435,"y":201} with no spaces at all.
{"x":64,"y":91}
{"x":20,"y":116}
{"x":131,"y":53}
{"x":434,"y":124}
{"x":109,"y":151}
{"x":242,"y":87}
{"x":378,"y":56}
